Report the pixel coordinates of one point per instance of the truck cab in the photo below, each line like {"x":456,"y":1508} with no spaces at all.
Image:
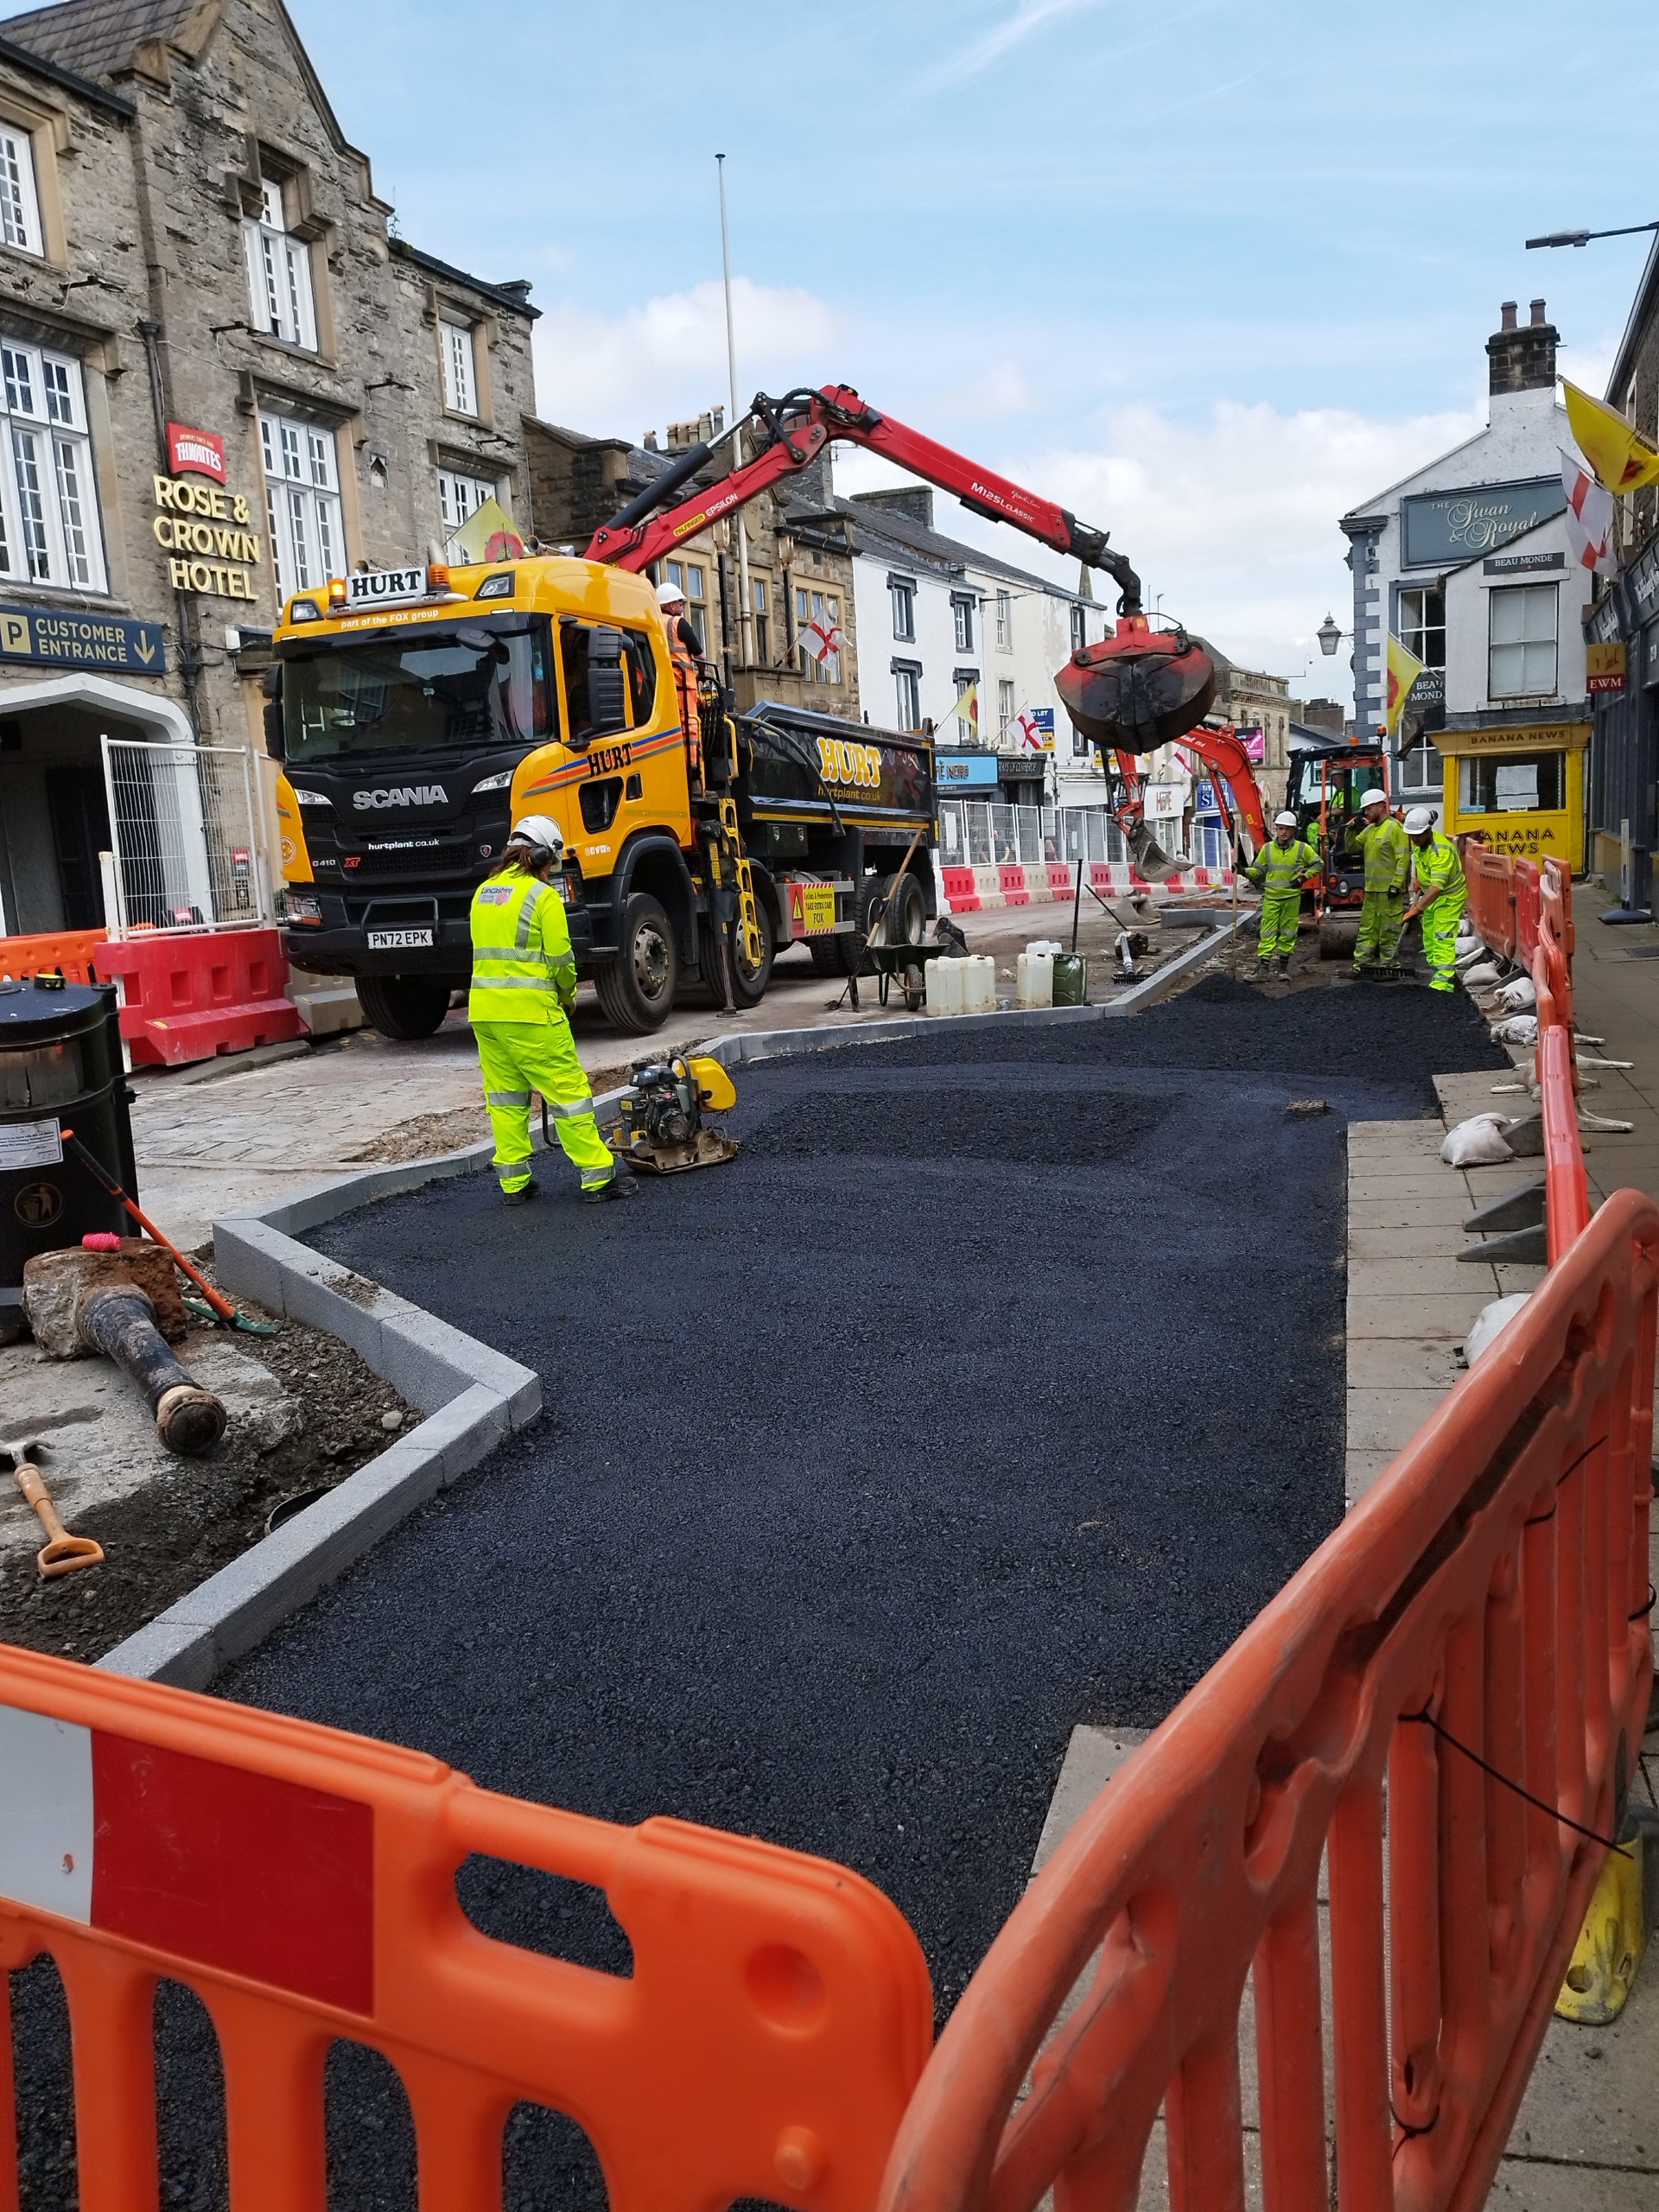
{"x":417,"y":712}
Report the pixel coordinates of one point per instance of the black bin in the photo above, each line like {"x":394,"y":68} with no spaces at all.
{"x":59,"y":1069}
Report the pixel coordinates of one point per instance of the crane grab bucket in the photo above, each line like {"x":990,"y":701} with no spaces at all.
{"x":1139,"y":690}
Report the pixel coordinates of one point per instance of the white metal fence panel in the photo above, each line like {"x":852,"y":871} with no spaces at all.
{"x":181,"y":822}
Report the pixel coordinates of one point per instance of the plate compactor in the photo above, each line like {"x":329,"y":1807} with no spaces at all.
{"x":663,"y":1131}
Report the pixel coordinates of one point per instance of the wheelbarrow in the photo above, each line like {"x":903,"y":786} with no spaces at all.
{"x":904,"y":966}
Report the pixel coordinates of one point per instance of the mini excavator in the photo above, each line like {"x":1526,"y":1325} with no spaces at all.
{"x":1127,"y":693}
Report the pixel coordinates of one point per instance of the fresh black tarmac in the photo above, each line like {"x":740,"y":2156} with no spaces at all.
{"x":992,"y":1388}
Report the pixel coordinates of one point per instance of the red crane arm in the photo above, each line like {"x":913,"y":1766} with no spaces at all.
{"x":797,"y":427}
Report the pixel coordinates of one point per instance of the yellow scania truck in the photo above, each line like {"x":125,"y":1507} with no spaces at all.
{"x":417,"y":712}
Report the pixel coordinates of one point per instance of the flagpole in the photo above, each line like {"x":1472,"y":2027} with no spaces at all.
{"x":746,"y":596}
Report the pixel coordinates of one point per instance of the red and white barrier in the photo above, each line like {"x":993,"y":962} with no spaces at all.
{"x":977,"y":890}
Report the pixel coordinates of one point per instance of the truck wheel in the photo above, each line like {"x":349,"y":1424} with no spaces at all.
{"x":749,"y":984}
{"x":404,"y":1006}
{"x":636,"y":989}
{"x":905,"y":917}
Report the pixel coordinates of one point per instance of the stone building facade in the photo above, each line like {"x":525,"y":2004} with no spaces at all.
{"x":225,"y":378}
{"x":800,"y":567}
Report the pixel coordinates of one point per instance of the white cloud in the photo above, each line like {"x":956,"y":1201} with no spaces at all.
{"x":1030,"y":15}
{"x":1231,"y":520}
{"x":666,"y":361}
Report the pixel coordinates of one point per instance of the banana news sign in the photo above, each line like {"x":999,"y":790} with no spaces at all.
{"x":50,"y":639}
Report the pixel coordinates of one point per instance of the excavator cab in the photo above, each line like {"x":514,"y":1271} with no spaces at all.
{"x":1323,"y":791}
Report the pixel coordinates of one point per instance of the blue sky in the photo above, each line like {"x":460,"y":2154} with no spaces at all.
{"x":1210,"y":276}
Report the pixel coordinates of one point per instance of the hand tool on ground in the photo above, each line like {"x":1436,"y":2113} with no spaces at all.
{"x":61,"y":1554}
{"x":219,"y":1307}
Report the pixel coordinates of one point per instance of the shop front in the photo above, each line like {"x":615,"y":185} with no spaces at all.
{"x":1519,"y":790}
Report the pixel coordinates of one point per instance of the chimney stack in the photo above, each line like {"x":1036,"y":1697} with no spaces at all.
{"x":1521,"y":360}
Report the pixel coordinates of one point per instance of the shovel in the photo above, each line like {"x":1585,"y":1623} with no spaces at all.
{"x":62,"y":1553}
{"x":212,"y":1305}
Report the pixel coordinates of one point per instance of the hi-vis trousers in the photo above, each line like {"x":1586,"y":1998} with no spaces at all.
{"x":516,"y":1057}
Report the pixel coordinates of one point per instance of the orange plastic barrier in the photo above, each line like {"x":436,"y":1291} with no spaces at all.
{"x":191,"y":996}
{"x":1489,"y":878}
{"x":301,"y":1882}
{"x":1486,"y":1601}
{"x":1567,"y":1193}
{"x":70,"y":949}
{"x":1525,"y":912}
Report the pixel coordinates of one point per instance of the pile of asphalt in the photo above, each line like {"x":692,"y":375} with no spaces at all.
{"x":993,"y":1389}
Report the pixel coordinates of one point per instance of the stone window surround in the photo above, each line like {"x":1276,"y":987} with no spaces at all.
{"x":263,"y":394}
{"x":264,"y":164}
{"x":50,"y":134}
{"x":441,"y":306}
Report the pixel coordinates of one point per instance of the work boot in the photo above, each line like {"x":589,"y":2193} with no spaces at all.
{"x":1284,"y":966}
{"x":521,"y":1196}
{"x":620,"y":1186}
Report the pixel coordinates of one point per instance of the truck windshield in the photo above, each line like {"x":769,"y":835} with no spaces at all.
{"x":468,"y":688}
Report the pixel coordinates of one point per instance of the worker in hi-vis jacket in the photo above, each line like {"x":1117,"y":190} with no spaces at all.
{"x":1279,"y":871}
{"x":1439,"y":895}
{"x":524,"y":987}
{"x":1388,"y":861}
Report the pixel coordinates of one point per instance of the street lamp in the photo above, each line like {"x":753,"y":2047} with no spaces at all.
{"x":1330,"y":636}
{"x":1583,"y":237}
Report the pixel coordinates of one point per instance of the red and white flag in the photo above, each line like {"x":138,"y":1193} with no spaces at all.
{"x":1589,"y":518}
{"x":244,"y":1872}
{"x":821,"y":637}
{"x":1030,"y":737}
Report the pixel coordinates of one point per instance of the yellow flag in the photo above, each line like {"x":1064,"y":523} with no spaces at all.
{"x":1404,"y":669}
{"x":1620,"y":456}
{"x":968,"y":707}
{"x":488,"y":534}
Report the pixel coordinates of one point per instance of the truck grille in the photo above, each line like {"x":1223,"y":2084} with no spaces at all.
{"x":449,"y":856}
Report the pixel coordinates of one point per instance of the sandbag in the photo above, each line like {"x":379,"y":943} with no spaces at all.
{"x":1490,"y":1322}
{"x":1483,"y":972}
{"x":1522,"y":992}
{"x":1519,"y":1029}
{"x":1478,"y":1142}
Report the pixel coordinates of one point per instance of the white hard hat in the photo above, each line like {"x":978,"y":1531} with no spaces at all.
{"x":1373,"y":797}
{"x":1285,"y":821}
{"x":540,"y":829}
{"x":1418,"y":820}
{"x":669,"y":595}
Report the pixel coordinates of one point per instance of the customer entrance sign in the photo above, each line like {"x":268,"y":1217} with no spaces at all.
{"x":60,"y":638}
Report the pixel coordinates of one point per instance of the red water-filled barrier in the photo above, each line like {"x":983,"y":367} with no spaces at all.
{"x":192,"y":996}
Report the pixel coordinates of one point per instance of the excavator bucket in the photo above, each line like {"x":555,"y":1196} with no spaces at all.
{"x":1148,"y":856}
{"x":1139,"y":690}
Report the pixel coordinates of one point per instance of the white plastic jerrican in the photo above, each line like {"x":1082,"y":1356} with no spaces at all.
{"x":944,"y":981}
{"x":980,"y":981}
{"x":1034,"y":983}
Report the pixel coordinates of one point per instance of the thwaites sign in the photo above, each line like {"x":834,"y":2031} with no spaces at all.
{"x":202,"y":522}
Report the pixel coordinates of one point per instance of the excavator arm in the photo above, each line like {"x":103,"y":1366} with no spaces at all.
{"x":795,"y":430}
{"x":1223,"y":754}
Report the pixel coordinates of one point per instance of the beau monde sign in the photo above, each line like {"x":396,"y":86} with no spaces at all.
{"x":204,"y":525}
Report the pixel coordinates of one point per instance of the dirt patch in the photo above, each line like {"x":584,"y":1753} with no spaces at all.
{"x":426,"y":1136}
{"x":162,"y":1540}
